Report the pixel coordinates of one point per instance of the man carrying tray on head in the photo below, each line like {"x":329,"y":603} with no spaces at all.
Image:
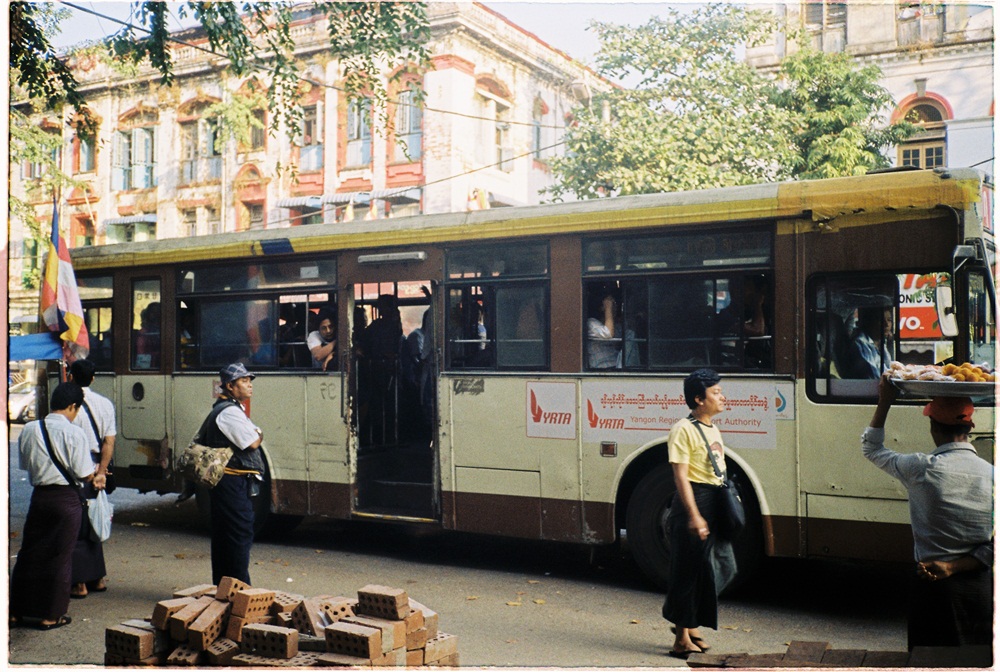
{"x":951,"y":512}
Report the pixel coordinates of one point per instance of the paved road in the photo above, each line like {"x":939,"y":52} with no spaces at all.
{"x":574,"y":610}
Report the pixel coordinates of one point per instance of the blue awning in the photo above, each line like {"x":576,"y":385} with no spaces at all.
{"x":45,"y":345}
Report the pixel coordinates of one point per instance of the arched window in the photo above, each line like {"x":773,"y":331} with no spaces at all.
{"x":201,"y":158}
{"x":926,"y":149}
{"x":494,"y":146}
{"x":134,"y":150}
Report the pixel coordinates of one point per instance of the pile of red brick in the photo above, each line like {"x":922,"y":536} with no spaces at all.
{"x":233,"y":624}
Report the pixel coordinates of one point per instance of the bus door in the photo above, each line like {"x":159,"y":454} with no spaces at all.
{"x":393,"y":384}
{"x":142,"y":449}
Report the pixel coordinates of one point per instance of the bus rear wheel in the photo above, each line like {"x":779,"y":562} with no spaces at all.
{"x":646,"y":524}
{"x":646,"y":527}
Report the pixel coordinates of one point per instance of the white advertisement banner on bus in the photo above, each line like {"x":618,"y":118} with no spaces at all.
{"x":632,"y":412}
{"x":637,"y":411}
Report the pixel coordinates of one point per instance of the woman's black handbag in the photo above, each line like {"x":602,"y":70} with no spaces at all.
{"x":732,"y":517}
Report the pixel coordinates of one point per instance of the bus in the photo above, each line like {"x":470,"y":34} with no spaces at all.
{"x":515,"y":371}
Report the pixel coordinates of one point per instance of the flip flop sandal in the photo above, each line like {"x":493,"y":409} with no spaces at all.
{"x":697,"y":641}
{"x":97,"y":589}
{"x":683,"y":655}
{"x":78,"y":596}
{"x":63,"y":620}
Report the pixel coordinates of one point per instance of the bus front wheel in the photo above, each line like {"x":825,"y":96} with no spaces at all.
{"x":646,"y":524}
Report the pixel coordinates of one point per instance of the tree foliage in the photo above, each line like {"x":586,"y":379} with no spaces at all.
{"x":697,"y":115}
{"x":838,"y":128}
{"x":252,"y":37}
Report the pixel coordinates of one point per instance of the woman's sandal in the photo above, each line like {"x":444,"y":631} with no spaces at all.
{"x":62,"y":620}
{"x":683,"y":654}
{"x":697,"y":641}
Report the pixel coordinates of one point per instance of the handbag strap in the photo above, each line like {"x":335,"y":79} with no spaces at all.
{"x":711,"y":455}
{"x":55,"y":460}
{"x":93,"y":424}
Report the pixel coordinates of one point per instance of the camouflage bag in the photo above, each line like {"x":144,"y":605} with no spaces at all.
{"x":204,"y":465}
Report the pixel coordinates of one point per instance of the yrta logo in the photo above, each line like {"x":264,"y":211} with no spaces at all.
{"x":597,"y":422}
{"x":539,"y":416}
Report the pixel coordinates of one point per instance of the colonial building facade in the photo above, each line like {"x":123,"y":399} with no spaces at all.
{"x":936,"y":59}
{"x":496,"y":101}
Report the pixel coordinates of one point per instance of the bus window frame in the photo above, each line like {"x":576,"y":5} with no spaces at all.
{"x":488,"y":286}
{"x":107,"y":302}
{"x":193,"y":300}
{"x":710,"y":268}
{"x":132,"y":338}
{"x":812,"y":325}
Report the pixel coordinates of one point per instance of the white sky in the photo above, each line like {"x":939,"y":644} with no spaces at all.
{"x":562,"y":25}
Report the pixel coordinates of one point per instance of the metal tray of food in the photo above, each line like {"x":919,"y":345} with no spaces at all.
{"x":944,"y":388}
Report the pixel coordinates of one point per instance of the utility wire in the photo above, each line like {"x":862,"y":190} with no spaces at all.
{"x":264,"y":69}
{"x":326,"y":206}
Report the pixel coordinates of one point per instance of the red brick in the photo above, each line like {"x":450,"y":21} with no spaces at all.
{"x":196,"y":591}
{"x":270,"y":641}
{"x":128,"y":642}
{"x":417,"y":639}
{"x":315,"y":613}
{"x":161,"y":639}
{"x":167,"y":608}
{"x":393,"y":632}
{"x":221,"y":651}
{"x":449,"y":661}
{"x":208,"y":626}
{"x":285,"y":602}
{"x":228,"y":587}
{"x":430,"y":618}
{"x":234,"y":630}
{"x":415,"y":658}
{"x":393,"y":658}
{"x":340,"y":660}
{"x":180,"y":620}
{"x":253,"y":604}
{"x":185,"y":656}
{"x":111,"y":660}
{"x":414,"y":619}
{"x":155,"y":660}
{"x":284,"y":619}
{"x":440,"y":647}
{"x":312,"y":643}
{"x":354,"y":640}
{"x":383,"y":602}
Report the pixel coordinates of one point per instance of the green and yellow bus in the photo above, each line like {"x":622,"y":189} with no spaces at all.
{"x":515,"y":371}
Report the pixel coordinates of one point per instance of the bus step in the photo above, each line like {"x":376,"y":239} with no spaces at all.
{"x":397,"y":495}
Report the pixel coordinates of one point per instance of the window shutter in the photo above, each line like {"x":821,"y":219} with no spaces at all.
{"x":320,"y":125}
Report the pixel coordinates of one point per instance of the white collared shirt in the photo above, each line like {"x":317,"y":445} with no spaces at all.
{"x":104,"y":416}
{"x":69,"y":444}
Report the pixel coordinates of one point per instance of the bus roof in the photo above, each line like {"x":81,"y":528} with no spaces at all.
{"x":818,"y":200}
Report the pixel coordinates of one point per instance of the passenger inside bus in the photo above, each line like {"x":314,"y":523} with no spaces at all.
{"x":322,"y":342}
{"x":604,"y":329}
{"x":378,"y":368}
{"x":870,"y":350}
{"x":147,"y":340}
{"x":748,"y":320}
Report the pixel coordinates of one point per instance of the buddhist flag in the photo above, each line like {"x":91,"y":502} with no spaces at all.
{"x":62,"y":312}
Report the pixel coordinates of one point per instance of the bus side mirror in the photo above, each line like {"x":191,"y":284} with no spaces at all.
{"x":945,"y":312}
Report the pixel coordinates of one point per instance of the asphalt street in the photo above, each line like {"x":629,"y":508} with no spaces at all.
{"x":511,"y":602}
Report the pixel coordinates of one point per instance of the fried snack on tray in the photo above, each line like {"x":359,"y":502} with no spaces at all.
{"x":967,"y":372}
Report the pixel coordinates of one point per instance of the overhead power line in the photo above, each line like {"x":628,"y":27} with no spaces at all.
{"x":262,"y":68}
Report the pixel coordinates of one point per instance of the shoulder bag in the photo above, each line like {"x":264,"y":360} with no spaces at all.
{"x":201,"y":464}
{"x":109,"y":475}
{"x":732,"y":517}
{"x":99,"y":509}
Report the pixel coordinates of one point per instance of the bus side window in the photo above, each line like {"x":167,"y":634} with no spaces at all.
{"x":146,"y":324}
{"x":521,"y":327}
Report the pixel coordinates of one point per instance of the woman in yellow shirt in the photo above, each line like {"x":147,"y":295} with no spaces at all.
{"x":701,"y":563}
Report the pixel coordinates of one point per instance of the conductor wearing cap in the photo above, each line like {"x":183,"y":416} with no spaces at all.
{"x":227,"y":426}
{"x":951,"y":511}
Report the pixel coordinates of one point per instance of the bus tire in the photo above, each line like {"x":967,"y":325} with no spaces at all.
{"x":748,"y":547}
{"x":645,"y":524}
